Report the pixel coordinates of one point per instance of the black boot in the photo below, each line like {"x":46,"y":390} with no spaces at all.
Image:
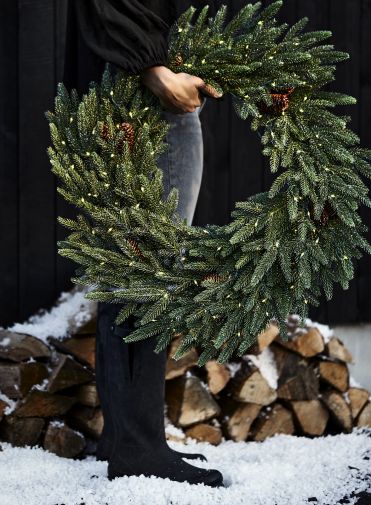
{"x":106,"y":315}
{"x":136,"y":391}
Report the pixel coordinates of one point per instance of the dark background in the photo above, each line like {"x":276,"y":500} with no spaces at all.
{"x":32,"y":51}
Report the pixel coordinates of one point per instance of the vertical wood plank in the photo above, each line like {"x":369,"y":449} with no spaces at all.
{"x":9,"y":162}
{"x":364,"y":107}
{"x":64,"y":267}
{"x":344,"y":22}
{"x":36,"y":184}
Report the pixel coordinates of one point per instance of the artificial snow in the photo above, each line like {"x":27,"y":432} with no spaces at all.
{"x":283,"y":470}
{"x":266,"y":363}
{"x":71,"y":312}
{"x":11,"y":404}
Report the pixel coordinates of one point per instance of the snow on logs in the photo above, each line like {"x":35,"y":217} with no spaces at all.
{"x":48,"y":394}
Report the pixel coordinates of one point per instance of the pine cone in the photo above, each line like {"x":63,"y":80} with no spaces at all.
{"x":135,"y":246}
{"x":128,"y":137}
{"x":213,"y":278}
{"x":280,"y":103}
{"x":105,"y":132}
{"x":178,"y":60}
{"x":327,"y":214}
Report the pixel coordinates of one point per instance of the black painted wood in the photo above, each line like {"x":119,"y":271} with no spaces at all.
{"x":32,"y":55}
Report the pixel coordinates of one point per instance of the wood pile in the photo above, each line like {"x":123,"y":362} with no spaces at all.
{"x":48,"y":395}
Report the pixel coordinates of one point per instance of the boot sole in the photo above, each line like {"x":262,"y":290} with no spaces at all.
{"x":216,"y":483}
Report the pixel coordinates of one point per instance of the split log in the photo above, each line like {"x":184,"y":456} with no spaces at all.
{"x":364,"y":418}
{"x":88,"y":328}
{"x":296,"y":379}
{"x":16,"y":380}
{"x":358,"y":398}
{"x":301,"y":386}
{"x":21,"y":431}
{"x":277,"y":421}
{"x":266,"y":337}
{"x":189,"y":402}
{"x":335,"y":374}
{"x":44,"y":404}
{"x":218,"y":376}
{"x":339,"y":409}
{"x":205,"y":433}
{"x":88,"y":420}
{"x":311,"y":415}
{"x":176,"y":368}
{"x":306,"y":344}
{"x":336,"y":349}
{"x":68,"y":373}
{"x":19,"y":347}
{"x":63,"y":441}
{"x":87,"y":395}
{"x":238,"y":424}
{"x":249,"y":386}
{"x":81,"y":348}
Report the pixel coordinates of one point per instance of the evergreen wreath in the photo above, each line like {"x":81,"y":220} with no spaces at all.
{"x":215,"y":286}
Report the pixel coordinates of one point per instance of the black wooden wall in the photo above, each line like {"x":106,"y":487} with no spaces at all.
{"x":32,"y":38}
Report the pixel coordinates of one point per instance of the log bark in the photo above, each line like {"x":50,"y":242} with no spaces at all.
{"x":311,"y":415}
{"x":339,"y":409}
{"x":218,"y":376}
{"x":358,"y":398}
{"x":205,"y":433}
{"x":307,"y":344}
{"x":301,"y":386}
{"x":364,"y":418}
{"x":63,"y":441}
{"x":278,"y":420}
{"x":249,"y":386}
{"x":44,"y":404}
{"x":88,"y":420}
{"x":19,"y":347}
{"x":81,"y":348}
{"x":21,"y":431}
{"x":335,"y":374}
{"x":336,"y":349}
{"x":296,"y":379}
{"x":189,"y":402}
{"x":177,"y":368}
{"x":68,"y":373}
{"x":238,"y":424}
{"x":16,"y":380}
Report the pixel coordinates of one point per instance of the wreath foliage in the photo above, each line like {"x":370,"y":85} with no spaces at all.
{"x":215,"y":286}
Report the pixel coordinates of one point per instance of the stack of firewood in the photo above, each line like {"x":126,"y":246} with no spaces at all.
{"x":48,"y":395}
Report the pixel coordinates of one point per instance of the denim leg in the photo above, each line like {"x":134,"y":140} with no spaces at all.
{"x":182,"y":162}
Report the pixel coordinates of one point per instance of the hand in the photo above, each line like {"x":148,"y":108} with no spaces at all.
{"x":179,"y":93}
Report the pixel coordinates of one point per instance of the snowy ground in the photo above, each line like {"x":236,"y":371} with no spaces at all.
{"x":283,"y":470}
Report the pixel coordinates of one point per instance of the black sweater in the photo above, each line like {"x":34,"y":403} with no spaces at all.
{"x":132,"y":34}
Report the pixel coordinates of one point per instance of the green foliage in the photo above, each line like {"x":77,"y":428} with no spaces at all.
{"x":217,"y":286}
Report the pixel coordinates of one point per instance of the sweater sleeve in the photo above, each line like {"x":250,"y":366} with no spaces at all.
{"x":123,"y":32}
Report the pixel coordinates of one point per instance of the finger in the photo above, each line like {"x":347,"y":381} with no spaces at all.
{"x":197,"y":81}
{"x":209,"y":90}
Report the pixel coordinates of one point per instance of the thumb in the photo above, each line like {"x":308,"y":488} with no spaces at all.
{"x":209,"y":90}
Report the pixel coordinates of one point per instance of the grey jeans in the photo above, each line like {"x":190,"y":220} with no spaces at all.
{"x":182,"y":162}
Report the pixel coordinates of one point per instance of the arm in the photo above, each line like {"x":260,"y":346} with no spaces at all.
{"x":123,"y":32}
{"x":134,"y":38}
